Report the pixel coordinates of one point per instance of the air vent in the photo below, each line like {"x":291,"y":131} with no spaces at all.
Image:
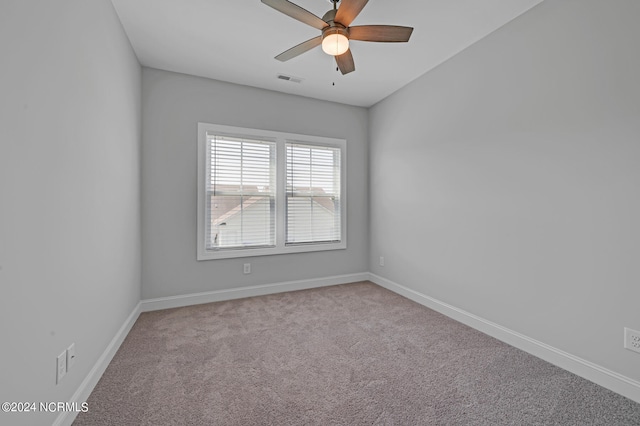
{"x":289,"y":78}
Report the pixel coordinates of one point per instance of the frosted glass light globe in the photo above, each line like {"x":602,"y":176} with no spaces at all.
{"x":335,"y":44}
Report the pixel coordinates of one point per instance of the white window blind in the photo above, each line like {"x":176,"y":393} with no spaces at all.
{"x":313,"y":194}
{"x":241,"y":191}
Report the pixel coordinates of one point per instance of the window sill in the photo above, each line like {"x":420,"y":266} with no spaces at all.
{"x":238,"y":253}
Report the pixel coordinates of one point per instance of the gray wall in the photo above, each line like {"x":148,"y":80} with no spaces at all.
{"x":505,"y":181}
{"x":69,"y":192}
{"x":173,"y":104}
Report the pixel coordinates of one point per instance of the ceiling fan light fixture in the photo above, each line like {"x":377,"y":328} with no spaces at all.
{"x":337,"y":30}
{"x":335,"y":43}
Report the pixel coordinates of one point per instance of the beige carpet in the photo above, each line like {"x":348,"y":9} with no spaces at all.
{"x":352,"y":354}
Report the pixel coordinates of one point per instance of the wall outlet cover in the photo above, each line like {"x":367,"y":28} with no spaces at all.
{"x":632,"y":339}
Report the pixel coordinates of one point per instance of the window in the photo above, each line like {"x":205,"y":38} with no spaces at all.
{"x":263,"y":192}
{"x":313,"y":194}
{"x":240,"y":193}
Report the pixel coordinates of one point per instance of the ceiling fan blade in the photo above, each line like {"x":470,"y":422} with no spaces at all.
{"x":383,"y":33}
{"x":348,"y":11}
{"x":345,"y":62}
{"x":299,"y":49}
{"x":296,"y":12}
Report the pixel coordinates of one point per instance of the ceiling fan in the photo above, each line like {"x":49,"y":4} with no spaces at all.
{"x":336,"y":31}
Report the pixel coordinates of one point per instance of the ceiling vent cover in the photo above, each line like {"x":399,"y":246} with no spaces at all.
{"x":289,"y":78}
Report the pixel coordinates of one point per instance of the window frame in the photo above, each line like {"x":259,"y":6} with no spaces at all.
{"x":281,"y":139}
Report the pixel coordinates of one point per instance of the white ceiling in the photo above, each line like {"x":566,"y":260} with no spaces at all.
{"x":237,"y":40}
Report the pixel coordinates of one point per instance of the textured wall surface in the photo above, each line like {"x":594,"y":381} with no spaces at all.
{"x":505,"y":181}
{"x":173,"y":104}
{"x":70,"y":250}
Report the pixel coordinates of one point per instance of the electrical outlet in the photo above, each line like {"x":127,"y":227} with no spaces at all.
{"x":71,"y":356}
{"x":247,"y":268}
{"x":381,"y":262}
{"x":61,"y":366}
{"x":632,"y":339}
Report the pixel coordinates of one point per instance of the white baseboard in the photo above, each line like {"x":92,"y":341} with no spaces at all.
{"x":611,"y":380}
{"x":86,"y":387}
{"x":239,"y":293}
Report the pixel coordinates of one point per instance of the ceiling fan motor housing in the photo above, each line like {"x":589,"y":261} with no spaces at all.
{"x":334,"y":27}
